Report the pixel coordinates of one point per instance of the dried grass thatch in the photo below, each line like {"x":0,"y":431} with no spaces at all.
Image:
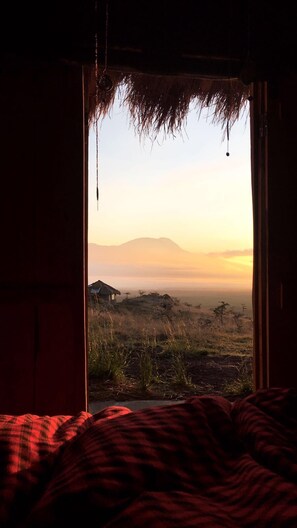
{"x":161,"y":102}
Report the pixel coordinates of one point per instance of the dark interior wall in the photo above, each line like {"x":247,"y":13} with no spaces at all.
{"x":282,"y":229}
{"x":43,"y":227}
{"x":43,"y":237}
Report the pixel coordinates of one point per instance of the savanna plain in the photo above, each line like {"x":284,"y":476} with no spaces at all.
{"x":170,"y":345}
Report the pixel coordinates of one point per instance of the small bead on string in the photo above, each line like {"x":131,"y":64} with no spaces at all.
{"x":228,"y":137}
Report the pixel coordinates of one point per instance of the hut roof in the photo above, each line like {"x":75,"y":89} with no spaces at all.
{"x":161,"y":103}
{"x":163,"y":59}
{"x":163,"y":55}
{"x":103,"y":288}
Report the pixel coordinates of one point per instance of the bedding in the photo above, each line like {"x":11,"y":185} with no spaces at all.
{"x":205,"y":462}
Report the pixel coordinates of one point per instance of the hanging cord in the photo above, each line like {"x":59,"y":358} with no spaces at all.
{"x":103,"y":83}
{"x":230,"y":91}
{"x":106,"y":37}
{"x":228,"y":137}
{"x":97,"y":164}
{"x":96,"y":102}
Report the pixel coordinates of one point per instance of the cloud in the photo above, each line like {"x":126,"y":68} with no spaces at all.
{"x":233,"y":253}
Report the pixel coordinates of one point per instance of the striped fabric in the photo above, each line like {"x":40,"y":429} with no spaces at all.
{"x":29,"y":446}
{"x":203,"y":463}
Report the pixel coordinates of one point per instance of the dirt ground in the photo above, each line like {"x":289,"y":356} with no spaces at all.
{"x":225,"y":375}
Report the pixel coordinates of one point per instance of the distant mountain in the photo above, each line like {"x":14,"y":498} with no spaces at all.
{"x":139,"y":245}
{"x":152,"y":244}
{"x":160,"y":259}
{"x":139,"y":250}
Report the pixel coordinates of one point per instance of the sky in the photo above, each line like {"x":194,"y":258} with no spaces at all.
{"x":183,"y":188}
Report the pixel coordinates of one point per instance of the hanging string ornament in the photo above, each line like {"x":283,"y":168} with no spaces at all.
{"x":96,"y":105}
{"x":103,"y":84}
{"x":230,"y":101}
{"x":228,"y":137}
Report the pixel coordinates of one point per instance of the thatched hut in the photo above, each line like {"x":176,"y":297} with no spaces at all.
{"x":102,"y":292}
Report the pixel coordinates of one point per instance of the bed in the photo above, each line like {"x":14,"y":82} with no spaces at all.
{"x":205,"y":462}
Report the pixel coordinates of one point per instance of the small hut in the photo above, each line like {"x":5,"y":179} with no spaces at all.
{"x":100,"y":291}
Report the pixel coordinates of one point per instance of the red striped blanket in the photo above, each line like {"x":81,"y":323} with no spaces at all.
{"x":206,"y":463}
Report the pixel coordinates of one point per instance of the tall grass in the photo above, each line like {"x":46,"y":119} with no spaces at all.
{"x":242,"y":383}
{"x":107,"y":355}
{"x":123,"y":332}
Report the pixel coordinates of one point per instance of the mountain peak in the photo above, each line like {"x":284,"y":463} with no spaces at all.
{"x":149,"y":243}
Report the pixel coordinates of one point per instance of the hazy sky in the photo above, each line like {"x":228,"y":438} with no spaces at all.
{"x":183,"y":188}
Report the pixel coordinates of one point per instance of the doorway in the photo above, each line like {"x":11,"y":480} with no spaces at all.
{"x":170,"y":262}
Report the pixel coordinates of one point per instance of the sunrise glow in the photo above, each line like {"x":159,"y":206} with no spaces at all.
{"x":184,"y":189}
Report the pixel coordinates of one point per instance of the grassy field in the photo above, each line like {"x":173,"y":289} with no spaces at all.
{"x":159,"y":346}
{"x":205,"y":297}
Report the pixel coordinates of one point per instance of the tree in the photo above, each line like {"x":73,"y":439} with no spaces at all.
{"x":221,"y":310}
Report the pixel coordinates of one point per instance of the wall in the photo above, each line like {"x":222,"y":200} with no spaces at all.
{"x":274,"y":140}
{"x":43,"y":226}
{"x":282,"y":228}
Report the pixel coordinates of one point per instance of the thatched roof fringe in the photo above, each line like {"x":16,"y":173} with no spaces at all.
{"x":162,"y":103}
